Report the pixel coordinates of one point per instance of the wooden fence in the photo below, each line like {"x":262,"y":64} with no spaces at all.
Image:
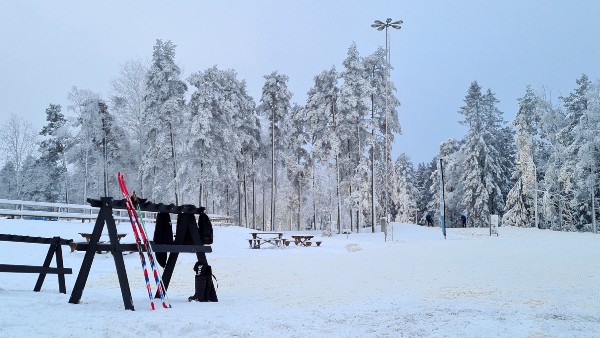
{"x":83,"y":212}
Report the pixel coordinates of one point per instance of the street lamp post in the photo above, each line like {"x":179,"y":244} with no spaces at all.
{"x":379,"y":25}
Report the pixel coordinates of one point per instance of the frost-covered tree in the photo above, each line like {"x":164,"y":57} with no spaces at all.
{"x":355,"y":134}
{"x":500,"y":158}
{"x":127,"y":103}
{"x":164,"y":106}
{"x":223,"y":136}
{"x":81,"y":150}
{"x":384,"y":117}
{"x":8,"y":181}
{"x":55,"y":184}
{"x":552,"y":156}
{"x":452,"y":165}
{"x":275,"y":105}
{"x":324,"y":121}
{"x":97,"y":145}
{"x":404,"y":192}
{"x":579,"y":137}
{"x":520,"y":202}
{"x":483,"y":172}
{"x":423,"y":184}
{"x":297,"y":158}
{"x":18,"y":143}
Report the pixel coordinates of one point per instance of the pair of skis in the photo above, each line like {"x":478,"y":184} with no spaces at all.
{"x":141,"y":240}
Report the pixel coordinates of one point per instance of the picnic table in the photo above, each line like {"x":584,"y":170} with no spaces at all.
{"x":88,"y":237}
{"x":303,"y":240}
{"x":260,"y":238}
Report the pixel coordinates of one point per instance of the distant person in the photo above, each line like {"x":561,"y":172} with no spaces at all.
{"x":429,"y":220}
{"x":463,"y":220}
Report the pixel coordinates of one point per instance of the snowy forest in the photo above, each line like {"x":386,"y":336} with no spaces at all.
{"x":323,"y":164}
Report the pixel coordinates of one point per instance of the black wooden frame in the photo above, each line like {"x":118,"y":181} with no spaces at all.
{"x":105,"y":216}
{"x":55,"y":248}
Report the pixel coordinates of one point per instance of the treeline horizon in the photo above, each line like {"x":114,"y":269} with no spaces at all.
{"x":324,"y":164}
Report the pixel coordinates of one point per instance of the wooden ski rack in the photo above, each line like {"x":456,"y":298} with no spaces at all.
{"x":105,"y":216}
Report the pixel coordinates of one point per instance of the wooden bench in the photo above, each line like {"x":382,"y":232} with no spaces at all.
{"x":55,"y":248}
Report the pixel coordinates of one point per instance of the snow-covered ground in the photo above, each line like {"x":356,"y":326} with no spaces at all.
{"x":523,"y":283}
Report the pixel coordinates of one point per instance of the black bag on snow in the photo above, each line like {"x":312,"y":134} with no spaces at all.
{"x":163,"y":234}
{"x":204,"y":287}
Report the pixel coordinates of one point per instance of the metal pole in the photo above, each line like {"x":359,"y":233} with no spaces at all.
{"x":385,"y":151}
{"x":379,"y":25}
{"x":592,"y":188}
{"x":593,"y":209}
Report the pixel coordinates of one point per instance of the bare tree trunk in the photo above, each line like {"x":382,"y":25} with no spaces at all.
{"x":299,"y":202}
{"x":337,"y":191}
{"x":85,"y":179}
{"x":358,"y":187}
{"x":226,"y":200}
{"x":350,"y":187}
{"x":373,"y":214}
{"x":140,"y":170}
{"x":253,"y":197}
{"x":273,"y":194}
{"x":314,"y":198}
{"x":245,"y":198}
{"x":174,"y":157}
{"x":200,"y":193}
{"x":105,"y":175}
{"x":64,"y":162}
{"x":330,"y":205}
{"x":153,"y":183}
{"x":239,"y":194}
{"x":264,"y":208}
{"x":351,"y":206}
{"x":200,"y":184}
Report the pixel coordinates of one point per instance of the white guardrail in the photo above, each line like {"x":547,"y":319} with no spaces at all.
{"x":83,"y":212}
{"x":47,"y":210}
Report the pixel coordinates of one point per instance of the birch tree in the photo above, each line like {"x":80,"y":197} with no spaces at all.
{"x":127,"y":102}
{"x":18,"y":142}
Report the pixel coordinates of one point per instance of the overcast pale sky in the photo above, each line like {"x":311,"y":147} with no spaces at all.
{"x":50,"y":46}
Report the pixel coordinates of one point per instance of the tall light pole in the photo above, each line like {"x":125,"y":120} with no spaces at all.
{"x":379,"y":25}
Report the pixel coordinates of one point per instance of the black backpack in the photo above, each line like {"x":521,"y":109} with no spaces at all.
{"x":204,"y":225}
{"x":204,"y":286}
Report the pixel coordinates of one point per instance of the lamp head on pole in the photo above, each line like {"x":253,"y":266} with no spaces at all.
{"x":380,"y":25}
{"x":396,"y":24}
